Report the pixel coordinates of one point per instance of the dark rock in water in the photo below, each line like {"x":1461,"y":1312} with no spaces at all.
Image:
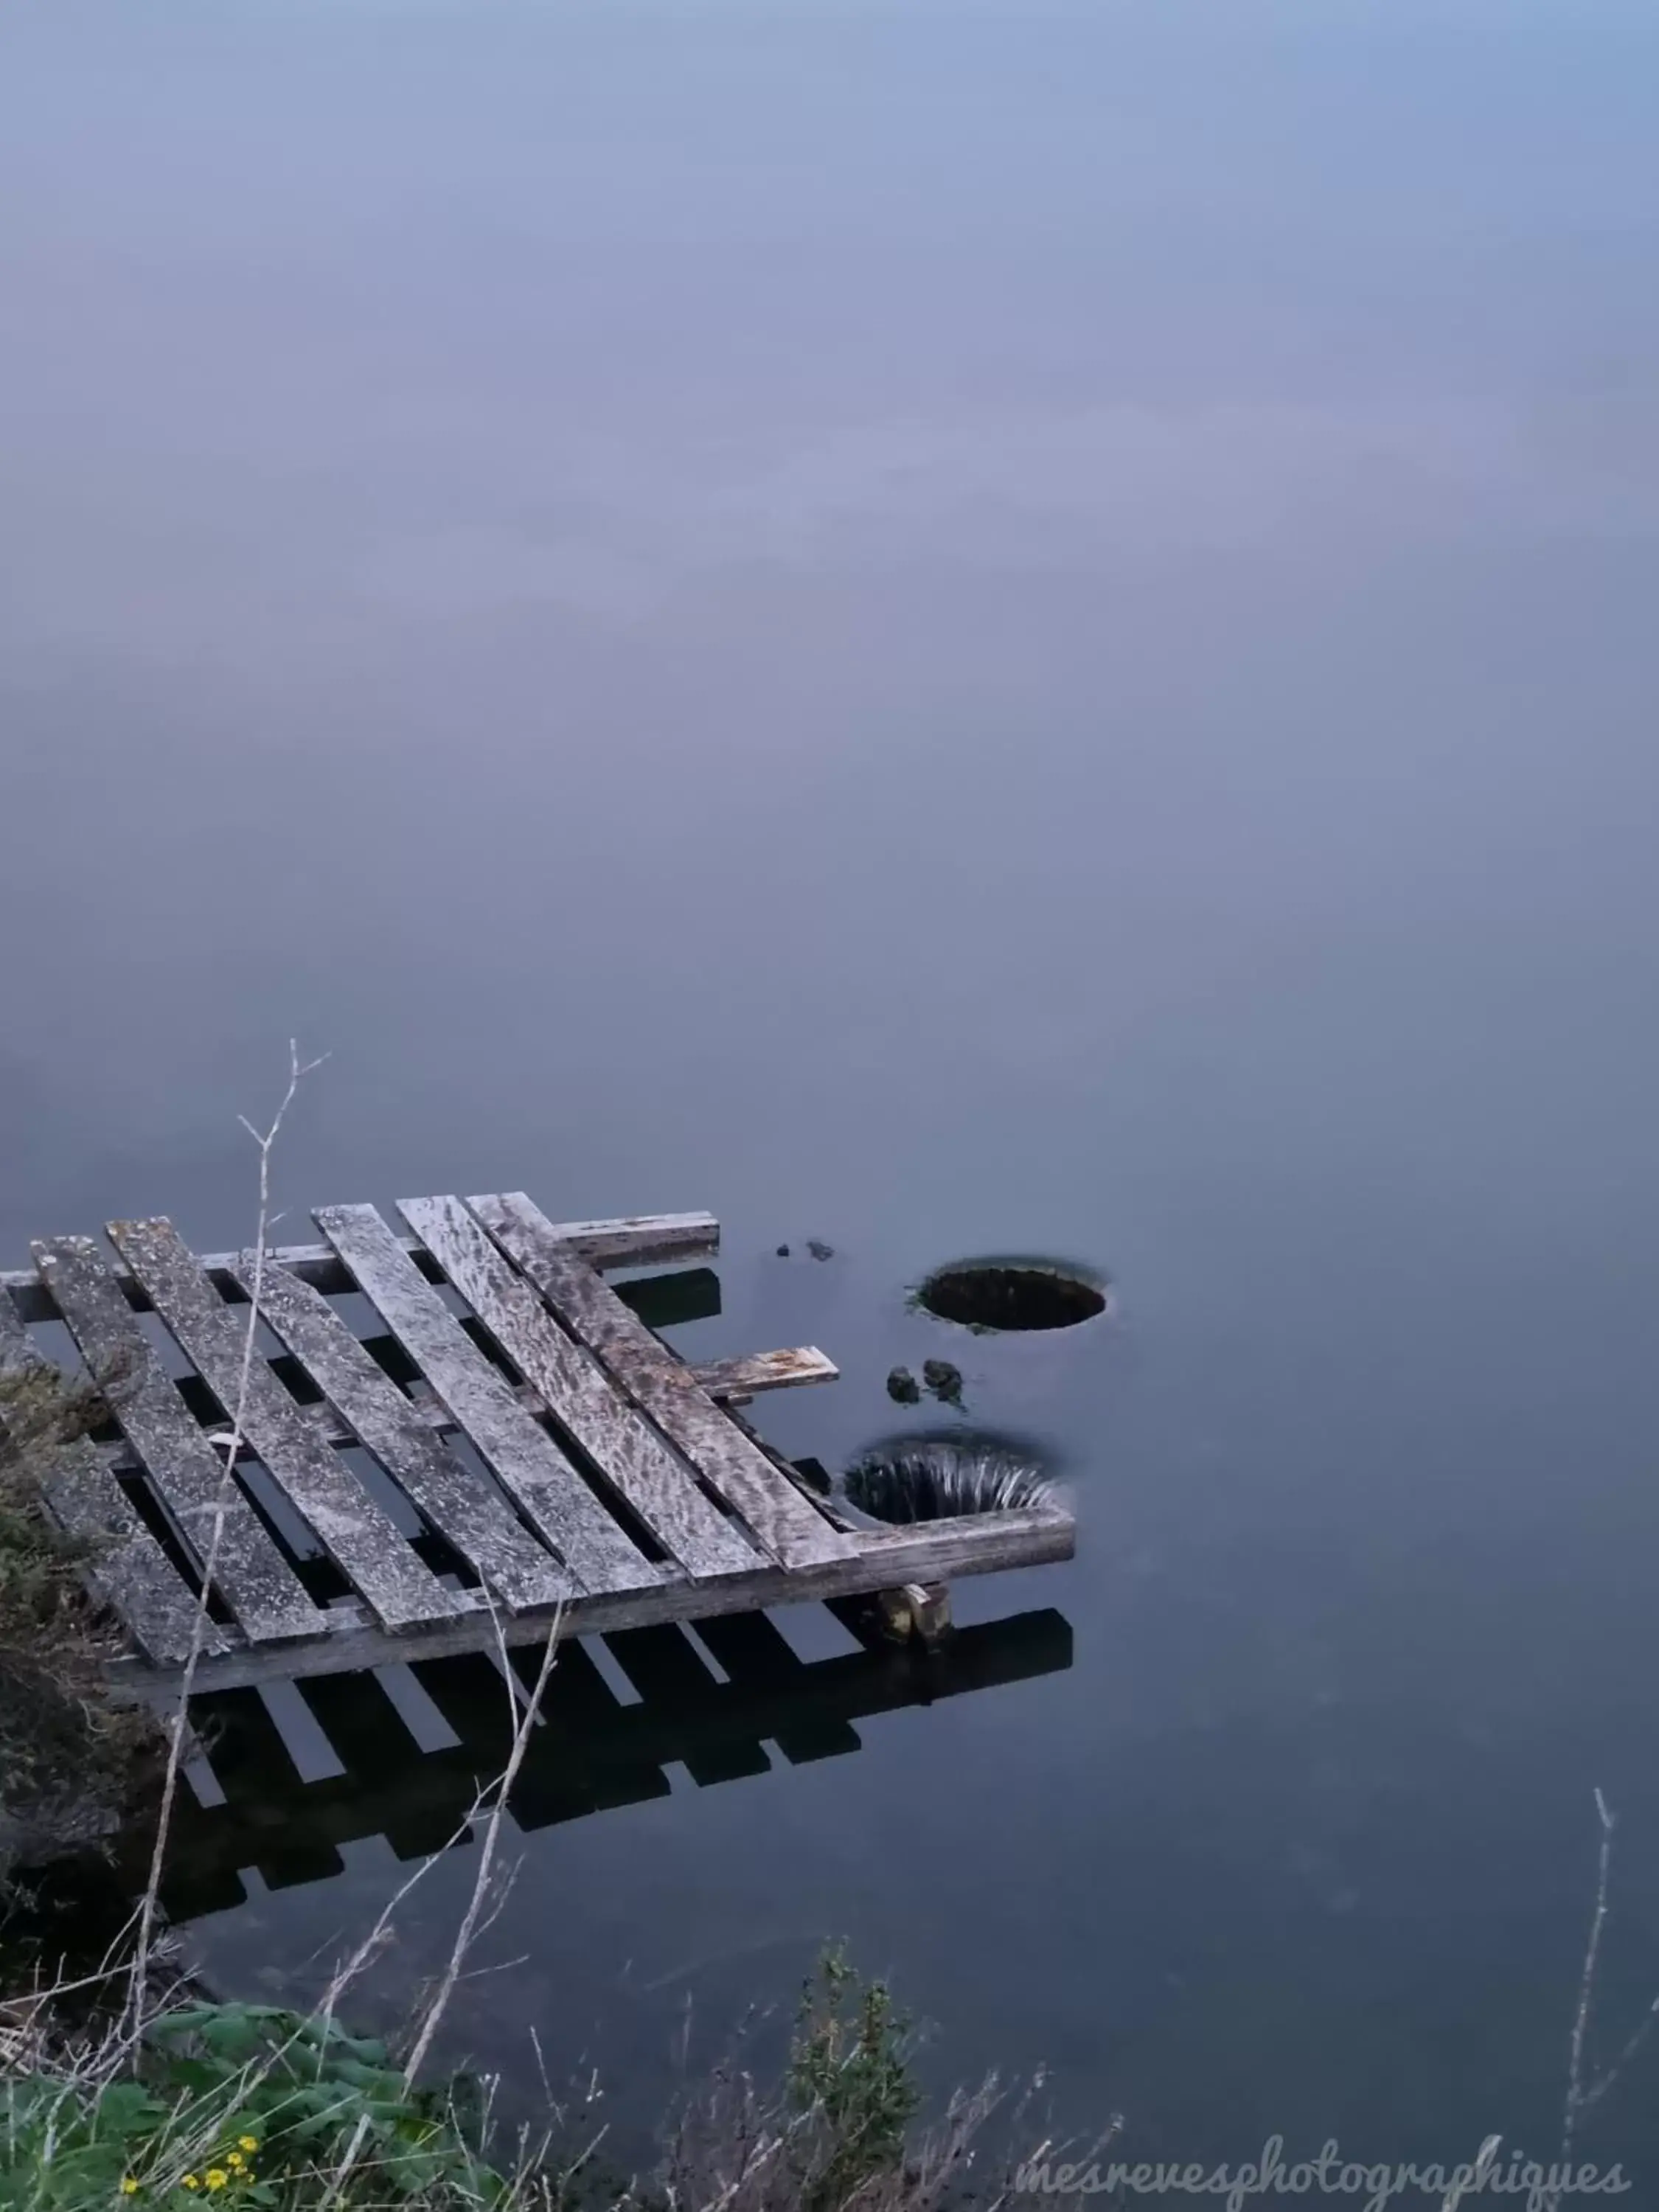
{"x":902,"y":1385}
{"x":815,"y":1474}
{"x":783,"y":1251}
{"x":819,"y":1250}
{"x":944,"y":1380}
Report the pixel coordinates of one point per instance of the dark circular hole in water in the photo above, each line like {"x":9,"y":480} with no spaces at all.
{"x":1010,"y":1295}
{"x":938,"y":1478}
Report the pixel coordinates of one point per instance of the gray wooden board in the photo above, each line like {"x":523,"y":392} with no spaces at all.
{"x":358,"y":1534}
{"x":261,"y":1589}
{"x":479,"y":1526}
{"x":745,"y":1375}
{"x":526,"y":1460}
{"x":931,"y":1551}
{"x":636,"y":1240}
{"x":656,"y":1484}
{"x":754,"y":1371}
{"x":781,"y":1517}
{"x":126,"y":1567}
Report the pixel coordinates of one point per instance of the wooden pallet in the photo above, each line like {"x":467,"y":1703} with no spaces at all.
{"x":509,"y":1447}
{"x":710,"y":1707}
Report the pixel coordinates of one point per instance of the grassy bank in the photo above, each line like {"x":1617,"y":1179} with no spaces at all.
{"x":249,"y":2107}
{"x":118,"y":2088}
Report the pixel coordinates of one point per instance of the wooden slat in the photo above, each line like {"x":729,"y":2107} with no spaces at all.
{"x":641,"y":1240}
{"x":401,"y":1435}
{"x":261,"y":1589}
{"x":526,"y":1461}
{"x":731,"y":1380}
{"x":126,"y":1568}
{"x":631,"y":1455}
{"x":357,"y":1534}
{"x":931,"y":1551}
{"x":781,"y":1517}
{"x":747,"y":1375}
{"x":638,"y":1240}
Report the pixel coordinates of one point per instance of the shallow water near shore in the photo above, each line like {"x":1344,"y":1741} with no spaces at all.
{"x":953,"y":632}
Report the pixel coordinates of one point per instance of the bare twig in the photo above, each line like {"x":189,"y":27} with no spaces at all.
{"x":464,"y":1934}
{"x":1575,"y":2096}
{"x":1473,"y":2177}
{"x":525,"y":1722}
{"x":265,"y":1140}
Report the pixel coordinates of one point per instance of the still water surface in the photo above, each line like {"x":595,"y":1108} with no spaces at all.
{"x":945,"y":630}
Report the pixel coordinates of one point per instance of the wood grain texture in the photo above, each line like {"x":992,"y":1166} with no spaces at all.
{"x":654,"y":1481}
{"x":931,"y":1551}
{"x":781,"y":1518}
{"x":638,"y":1240}
{"x":251,"y":1574}
{"x":744,"y":1377}
{"x":126,"y":1569}
{"x":358,"y":1533}
{"x":526,"y":1460}
{"x":474,"y":1520}
{"x":751,"y":1373}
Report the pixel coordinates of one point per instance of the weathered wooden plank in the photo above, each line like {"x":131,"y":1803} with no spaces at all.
{"x":126,"y":1568}
{"x":632,"y":1457}
{"x":639,"y":1240}
{"x":263,"y":1591}
{"x":358,"y":1534}
{"x":783,"y":1519}
{"x":929,"y":1551}
{"x":471,"y":1518}
{"x":752,"y":1372}
{"x":730,"y":1380}
{"x":526,"y":1460}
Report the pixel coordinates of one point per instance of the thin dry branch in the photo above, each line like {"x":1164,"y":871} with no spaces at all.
{"x":525,"y":1722}
{"x":266,"y":1141}
{"x":1575,"y":2097}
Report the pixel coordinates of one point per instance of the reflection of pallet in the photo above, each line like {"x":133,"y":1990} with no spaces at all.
{"x":509,"y":1446}
{"x":591,"y":1751}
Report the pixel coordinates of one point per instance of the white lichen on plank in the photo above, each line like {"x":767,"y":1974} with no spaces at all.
{"x":358,"y":1534}
{"x":631,"y":1455}
{"x":127,"y":1568}
{"x":525,"y":1460}
{"x":206,"y":1502}
{"x":402,"y":1437}
{"x":782,"y":1519}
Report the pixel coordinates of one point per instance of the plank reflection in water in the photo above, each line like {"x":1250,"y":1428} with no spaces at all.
{"x":591,"y":1751}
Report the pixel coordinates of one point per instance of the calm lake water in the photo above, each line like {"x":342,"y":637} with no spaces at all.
{"x":947,"y":629}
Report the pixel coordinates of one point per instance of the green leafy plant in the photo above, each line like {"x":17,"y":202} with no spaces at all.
{"x":248,"y":2104}
{"x":849,"y":2068}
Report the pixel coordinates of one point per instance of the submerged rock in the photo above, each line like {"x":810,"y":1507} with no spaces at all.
{"x":943,"y":1379}
{"x":819,"y":1250}
{"x":902,"y":1385}
{"x":783,"y":1251}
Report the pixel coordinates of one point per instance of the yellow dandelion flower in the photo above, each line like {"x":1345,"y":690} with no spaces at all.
{"x":129,"y":2186}
{"x":216,"y":2176}
{"x":248,"y":2142}
{"x":191,"y":2181}
{"x":236,"y":2160}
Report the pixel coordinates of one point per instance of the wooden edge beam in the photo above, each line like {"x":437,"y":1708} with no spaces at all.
{"x":641,"y":1240}
{"x":925,"y":1552}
